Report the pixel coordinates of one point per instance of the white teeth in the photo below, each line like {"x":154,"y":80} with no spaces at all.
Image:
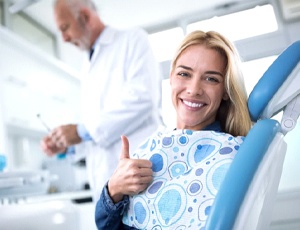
{"x":195,"y":105}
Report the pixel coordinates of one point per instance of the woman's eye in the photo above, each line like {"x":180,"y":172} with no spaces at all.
{"x":183,"y":74}
{"x":212,"y":79}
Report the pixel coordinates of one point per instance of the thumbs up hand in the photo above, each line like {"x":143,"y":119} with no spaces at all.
{"x":131,"y":175}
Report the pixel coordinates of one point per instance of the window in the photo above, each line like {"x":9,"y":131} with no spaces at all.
{"x":34,"y":33}
{"x":242,"y":24}
{"x":164,"y":43}
{"x":235,"y":26}
{"x":1,"y":13}
{"x":253,"y":70}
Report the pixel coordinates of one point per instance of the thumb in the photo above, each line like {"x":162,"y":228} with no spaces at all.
{"x":125,"y":148}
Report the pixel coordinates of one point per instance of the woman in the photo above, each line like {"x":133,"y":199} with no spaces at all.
{"x":172,"y":179}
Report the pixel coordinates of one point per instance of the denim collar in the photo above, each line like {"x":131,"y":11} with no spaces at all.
{"x":215,"y":126}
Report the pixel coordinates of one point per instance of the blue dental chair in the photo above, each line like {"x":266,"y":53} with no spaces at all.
{"x":247,"y":194}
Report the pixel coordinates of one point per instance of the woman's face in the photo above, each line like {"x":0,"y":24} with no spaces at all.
{"x":197,"y":85}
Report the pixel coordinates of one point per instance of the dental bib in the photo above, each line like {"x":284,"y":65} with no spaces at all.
{"x":188,"y":168}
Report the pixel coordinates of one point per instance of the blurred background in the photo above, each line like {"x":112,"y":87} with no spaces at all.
{"x":39,"y":82}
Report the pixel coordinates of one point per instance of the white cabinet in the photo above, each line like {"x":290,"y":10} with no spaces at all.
{"x":33,"y":83}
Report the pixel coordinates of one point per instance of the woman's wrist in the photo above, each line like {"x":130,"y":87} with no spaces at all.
{"x":113,"y":193}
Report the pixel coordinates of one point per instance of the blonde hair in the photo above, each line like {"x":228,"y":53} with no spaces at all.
{"x":233,"y":114}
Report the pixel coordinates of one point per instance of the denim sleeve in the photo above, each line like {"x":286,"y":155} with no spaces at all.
{"x":107,"y":214}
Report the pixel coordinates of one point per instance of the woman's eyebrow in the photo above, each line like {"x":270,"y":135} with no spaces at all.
{"x":214,"y":73}
{"x":184,"y":67}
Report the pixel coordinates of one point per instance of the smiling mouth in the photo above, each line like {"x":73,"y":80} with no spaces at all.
{"x":192,"y":104}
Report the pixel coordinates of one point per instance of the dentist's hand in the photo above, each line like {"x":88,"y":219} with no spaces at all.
{"x":131,"y":175}
{"x":59,"y":139}
{"x":50,"y":148}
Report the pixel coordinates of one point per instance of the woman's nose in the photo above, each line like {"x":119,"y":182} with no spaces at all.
{"x":195,"y":88}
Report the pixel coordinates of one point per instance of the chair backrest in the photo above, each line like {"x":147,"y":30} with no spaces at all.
{"x":249,"y":189}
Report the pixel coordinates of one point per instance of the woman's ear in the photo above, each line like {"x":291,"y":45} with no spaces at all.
{"x":225,"y":96}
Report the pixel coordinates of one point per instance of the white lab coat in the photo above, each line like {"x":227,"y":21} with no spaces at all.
{"x":121,"y":94}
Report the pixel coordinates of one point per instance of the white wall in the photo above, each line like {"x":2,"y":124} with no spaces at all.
{"x":286,"y":212}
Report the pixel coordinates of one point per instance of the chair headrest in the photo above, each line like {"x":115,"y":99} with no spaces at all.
{"x":282,"y":77}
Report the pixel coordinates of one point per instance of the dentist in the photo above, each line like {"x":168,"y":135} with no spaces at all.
{"x":121,"y":91}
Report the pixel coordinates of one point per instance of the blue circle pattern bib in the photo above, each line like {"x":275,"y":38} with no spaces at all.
{"x":188,"y":168}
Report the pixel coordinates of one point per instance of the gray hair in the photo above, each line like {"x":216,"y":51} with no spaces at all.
{"x":75,"y":5}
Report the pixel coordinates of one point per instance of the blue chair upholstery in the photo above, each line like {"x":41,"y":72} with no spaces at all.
{"x":266,"y":135}
{"x":272,"y":80}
